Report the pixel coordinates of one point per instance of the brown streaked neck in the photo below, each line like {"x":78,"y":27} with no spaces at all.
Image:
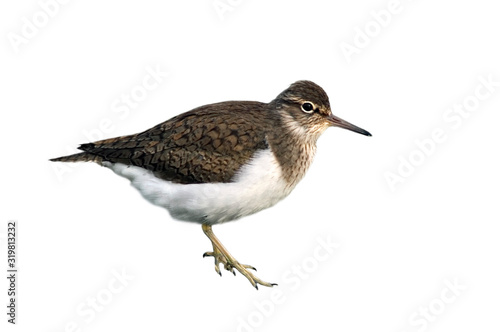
{"x":292,"y":145}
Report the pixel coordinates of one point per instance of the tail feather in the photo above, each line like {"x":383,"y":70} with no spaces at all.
{"x":82,"y":156}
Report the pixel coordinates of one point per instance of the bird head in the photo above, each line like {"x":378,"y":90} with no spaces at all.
{"x":306,"y":109}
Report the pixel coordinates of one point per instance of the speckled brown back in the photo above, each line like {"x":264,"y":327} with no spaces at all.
{"x":207,"y":144}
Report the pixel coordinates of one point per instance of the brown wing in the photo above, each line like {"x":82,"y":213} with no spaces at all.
{"x":207,"y":144}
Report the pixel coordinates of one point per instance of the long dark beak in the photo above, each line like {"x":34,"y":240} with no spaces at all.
{"x":338,"y":122}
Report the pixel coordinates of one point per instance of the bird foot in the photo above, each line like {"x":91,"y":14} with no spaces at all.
{"x":230,"y":265}
{"x":222,"y":256}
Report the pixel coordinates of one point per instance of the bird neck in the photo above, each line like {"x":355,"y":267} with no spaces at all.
{"x":293,"y":147}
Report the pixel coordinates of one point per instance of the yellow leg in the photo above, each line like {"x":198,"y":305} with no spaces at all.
{"x":221,"y":255}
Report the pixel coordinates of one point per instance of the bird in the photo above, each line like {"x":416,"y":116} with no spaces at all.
{"x":220,"y":162}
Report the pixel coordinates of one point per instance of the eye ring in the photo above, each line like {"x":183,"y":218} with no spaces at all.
{"x":307,"y":107}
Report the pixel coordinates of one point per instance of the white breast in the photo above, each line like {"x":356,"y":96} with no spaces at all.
{"x":258,"y":185}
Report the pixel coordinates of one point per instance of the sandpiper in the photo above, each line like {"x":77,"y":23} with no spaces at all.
{"x":223,"y":161}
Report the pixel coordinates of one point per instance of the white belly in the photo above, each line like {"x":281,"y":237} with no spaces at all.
{"x":258,"y":185}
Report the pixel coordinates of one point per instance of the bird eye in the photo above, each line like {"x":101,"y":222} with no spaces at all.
{"x":307,"y":107}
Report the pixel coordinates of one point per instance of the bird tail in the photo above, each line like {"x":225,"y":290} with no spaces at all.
{"x":82,"y":156}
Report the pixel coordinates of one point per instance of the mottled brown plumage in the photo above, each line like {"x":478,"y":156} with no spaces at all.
{"x":207,"y":144}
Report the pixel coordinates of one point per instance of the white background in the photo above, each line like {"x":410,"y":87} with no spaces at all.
{"x":399,"y":249}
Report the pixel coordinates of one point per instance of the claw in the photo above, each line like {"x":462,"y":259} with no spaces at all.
{"x":249,"y":267}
